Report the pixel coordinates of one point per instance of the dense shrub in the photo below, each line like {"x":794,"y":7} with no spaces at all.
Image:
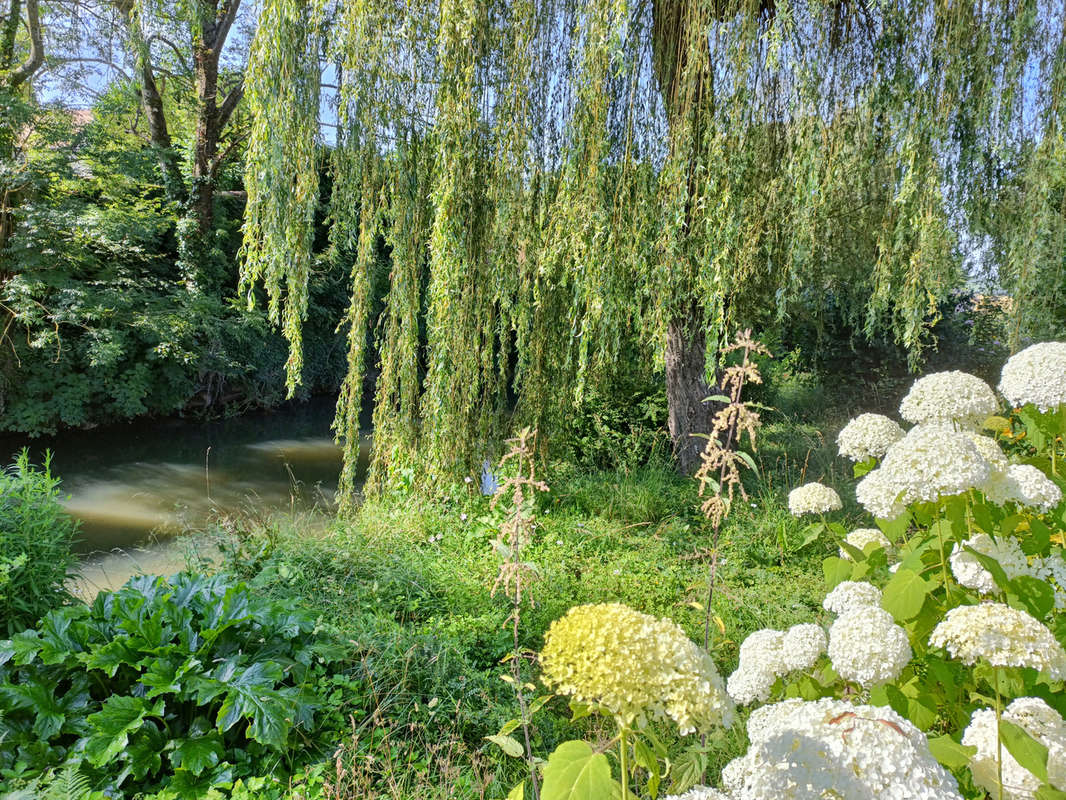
{"x":35,"y":544}
{"x":179,"y":684}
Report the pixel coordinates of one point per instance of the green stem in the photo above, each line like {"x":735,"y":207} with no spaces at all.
{"x":623,"y":752}
{"x":943,"y":561}
{"x":999,"y":738}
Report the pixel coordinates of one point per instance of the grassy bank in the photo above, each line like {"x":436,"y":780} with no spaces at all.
{"x":407,"y":584}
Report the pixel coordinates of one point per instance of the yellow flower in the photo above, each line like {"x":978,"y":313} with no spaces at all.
{"x":635,"y":666}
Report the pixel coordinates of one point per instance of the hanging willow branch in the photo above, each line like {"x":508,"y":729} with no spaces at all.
{"x":560,"y":183}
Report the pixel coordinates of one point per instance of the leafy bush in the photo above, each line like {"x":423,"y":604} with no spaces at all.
{"x":178,"y":684}
{"x":35,"y":543}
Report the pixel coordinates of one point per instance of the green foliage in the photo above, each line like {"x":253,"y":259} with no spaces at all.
{"x":36,"y":536}
{"x":180,"y":683}
{"x":100,"y":325}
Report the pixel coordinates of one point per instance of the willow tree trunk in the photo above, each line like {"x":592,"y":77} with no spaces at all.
{"x":685,"y":84}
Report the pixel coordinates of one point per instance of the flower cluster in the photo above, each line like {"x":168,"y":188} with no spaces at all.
{"x":1036,"y":375}
{"x":813,"y":498}
{"x":1053,"y":570}
{"x":868,"y":436}
{"x":968,"y":570}
{"x":862,"y":538}
{"x":950,"y":397}
{"x":1022,"y":484}
{"x":636,"y":666}
{"x":1036,"y":718}
{"x":930,"y":462}
{"x":831,"y":748}
{"x":767,"y":654}
{"x":1001,"y":636}
{"x":850,"y":595}
{"x":868,"y":647}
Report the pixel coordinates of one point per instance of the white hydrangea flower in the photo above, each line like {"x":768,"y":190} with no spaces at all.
{"x":764,"y":648}
{"x":1036,"y":375}
{"x":930,"y":462}
{"x":989,"y":448}
{"x":1002,"y":636}
{"x":849,"y":595}
{"x":968,"y":570}
{"x":868,"y":436}
{"x":879,"y":495}
{"x":1036,"y":718}
{"x":830,"y":748}
{"x":868,"y":647}
{"x":1053,"y":570}
{"x":861,"y":538}
{"x":1023,"y":484}
{"x":803,"y":645}
{"x":813,"y":498}
{"x":749,"y":684}
{"x":700,"y":793}
{"x":953,"y":397}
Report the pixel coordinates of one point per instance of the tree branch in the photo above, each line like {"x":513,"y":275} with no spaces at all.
{"x":35,"y":59}
{"x":230,"y":103}
{"x":225,"y":22}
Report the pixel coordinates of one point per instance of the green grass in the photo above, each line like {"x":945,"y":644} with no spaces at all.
{"x":409,"y":582}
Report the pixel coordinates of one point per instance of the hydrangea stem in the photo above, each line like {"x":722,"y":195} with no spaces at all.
{"x":623,"y":757}
{"x":999,"y":738}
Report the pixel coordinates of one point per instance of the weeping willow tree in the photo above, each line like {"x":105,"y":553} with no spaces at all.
{"x":559,"y":182}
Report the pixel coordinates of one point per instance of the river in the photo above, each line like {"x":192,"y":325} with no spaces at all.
{"x":136,"y":487}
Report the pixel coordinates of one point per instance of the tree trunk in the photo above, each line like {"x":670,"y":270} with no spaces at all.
{"x":686,"y":387}
{"x":685,"y":99}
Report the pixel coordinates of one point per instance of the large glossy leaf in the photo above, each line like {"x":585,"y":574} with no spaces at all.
{"x":250,"y":695}
{"x":119,"y":717}
{"x":904,"y":595}
{"x":196,"y":753}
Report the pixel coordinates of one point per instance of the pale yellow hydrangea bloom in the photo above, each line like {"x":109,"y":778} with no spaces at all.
{"x":635,"y":666}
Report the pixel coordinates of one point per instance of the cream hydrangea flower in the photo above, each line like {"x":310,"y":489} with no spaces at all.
{"x":952,"y":397}
{"x":868,"y":647}
{"x":831,"y":748}
{"x":767,"y":654}
{"x":868,"y":436}
{"x":989,"y":448}
{"x":1036,"y":375}
{"x":968,"y":570}
{"x":802,"y":646}
{"x":700,"y":793}
{"x":636,"y":666}
{"x":761,"y":661}
{"x":880,"y":495}
{"x":930,"y":462}
{"x":1023,"y":484}
{"x":813,"y":498}
{"x":849,"y":595}
{"x":861,"y":538}
{"x":1036,"y":718}
{"x":1002,"y":636}
{"x":1053,"y":570}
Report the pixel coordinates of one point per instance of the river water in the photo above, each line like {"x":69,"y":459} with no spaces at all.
{"x":136,"y":487}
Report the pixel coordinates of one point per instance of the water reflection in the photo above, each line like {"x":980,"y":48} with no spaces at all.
{"x":141,"y":482}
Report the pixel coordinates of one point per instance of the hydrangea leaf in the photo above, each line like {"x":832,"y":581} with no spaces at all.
{"x":904,"y":595}
{"x":1026,"y":750}
{"x":1035,"y":595}
{"x":508,"y":744}
{"x":950,"y":753}
{"x":576,"y":772}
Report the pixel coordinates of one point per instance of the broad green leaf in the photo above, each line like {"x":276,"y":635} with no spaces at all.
{"x":688,"y":769}
{"x":196,"y":753}
{"x":904,"y":595}
{"x":836,"y":571}
{"x":950,"y":753}
{"x":21,"y":648}
{"x":250,"y":695}
{"x":1036,"y":595}
{"x":1050,"y":793}
{"x":509,"y":745}
{"x":1026,"y":750}
{"x":509,"y":727}
{"x":518,"y":792}
{"x":120,"y":716}
{"x":576,"y":772}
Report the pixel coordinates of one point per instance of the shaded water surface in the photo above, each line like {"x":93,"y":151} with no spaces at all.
{"x":135,"y":486}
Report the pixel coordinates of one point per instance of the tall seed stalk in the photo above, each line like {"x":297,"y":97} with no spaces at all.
{"x":722,"y":460}
{"x":515,"y":575}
